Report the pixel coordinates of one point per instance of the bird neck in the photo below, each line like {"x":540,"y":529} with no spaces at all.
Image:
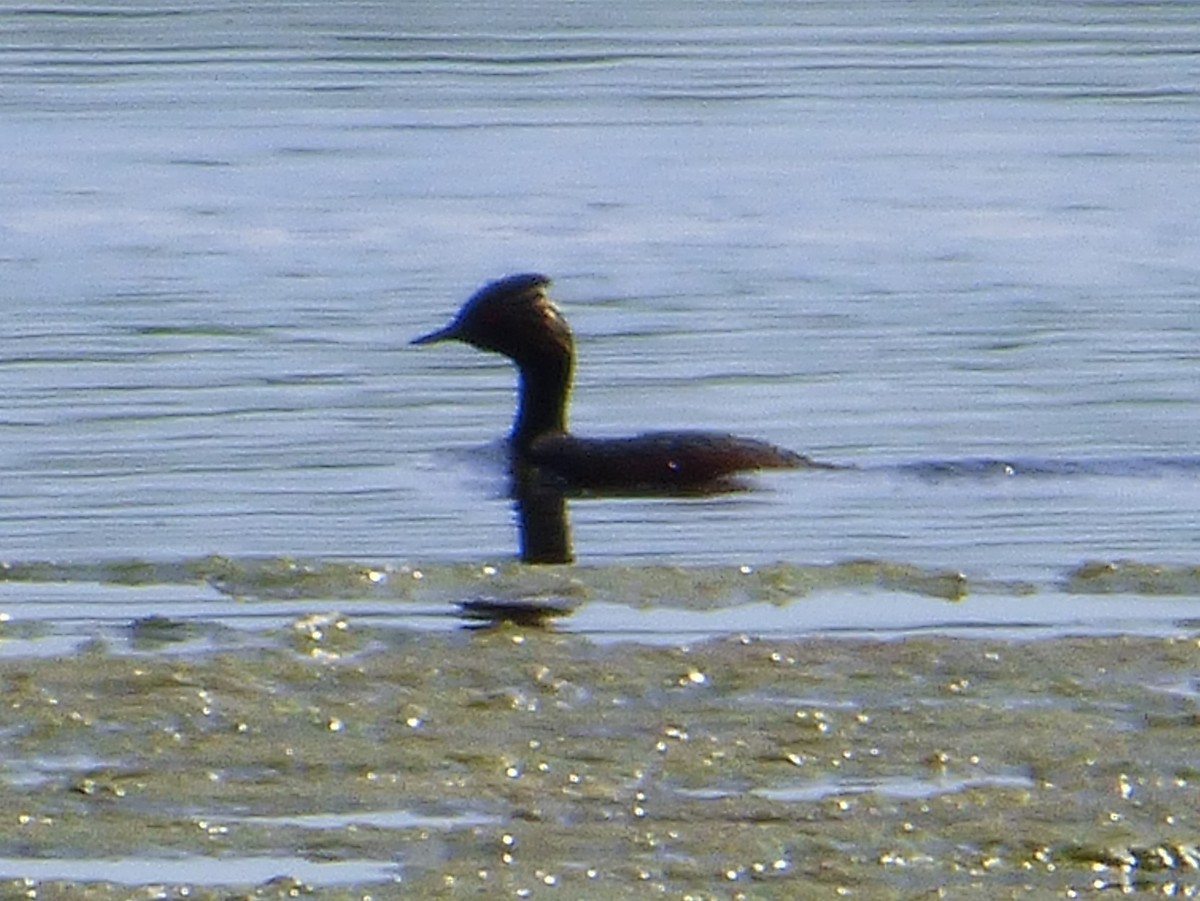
{"x":542,"y":405}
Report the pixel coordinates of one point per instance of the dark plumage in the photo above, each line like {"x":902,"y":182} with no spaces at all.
{"x":514,"y":317}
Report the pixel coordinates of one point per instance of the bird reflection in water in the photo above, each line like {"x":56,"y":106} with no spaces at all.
{"x":515,"y":317}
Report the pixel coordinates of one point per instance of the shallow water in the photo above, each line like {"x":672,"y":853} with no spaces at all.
{"x":879,"y":236}
{"x":953,"y":248}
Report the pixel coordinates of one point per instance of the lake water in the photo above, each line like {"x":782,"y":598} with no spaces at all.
{"x":953,"y":247}
{"x":920,"y":239}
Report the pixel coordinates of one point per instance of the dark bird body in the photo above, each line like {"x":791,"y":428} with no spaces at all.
{"x":514,"y":317}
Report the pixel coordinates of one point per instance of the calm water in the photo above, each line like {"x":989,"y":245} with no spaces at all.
{"x":907,"y":237}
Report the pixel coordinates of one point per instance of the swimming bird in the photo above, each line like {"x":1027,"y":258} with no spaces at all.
{"x":515,"y":317}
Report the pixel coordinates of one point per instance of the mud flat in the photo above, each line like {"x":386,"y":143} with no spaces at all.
{"x":338,"y":759}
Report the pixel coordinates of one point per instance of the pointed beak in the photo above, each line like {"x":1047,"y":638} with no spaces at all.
{"x":449,"y":333}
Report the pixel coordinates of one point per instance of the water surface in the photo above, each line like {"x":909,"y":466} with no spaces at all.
{"x":953,"y":247}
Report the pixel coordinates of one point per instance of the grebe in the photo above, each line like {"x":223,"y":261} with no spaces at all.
{"x":515,"y":317}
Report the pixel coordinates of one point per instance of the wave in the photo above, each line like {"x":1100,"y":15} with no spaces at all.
{"x":1011,"y":467}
